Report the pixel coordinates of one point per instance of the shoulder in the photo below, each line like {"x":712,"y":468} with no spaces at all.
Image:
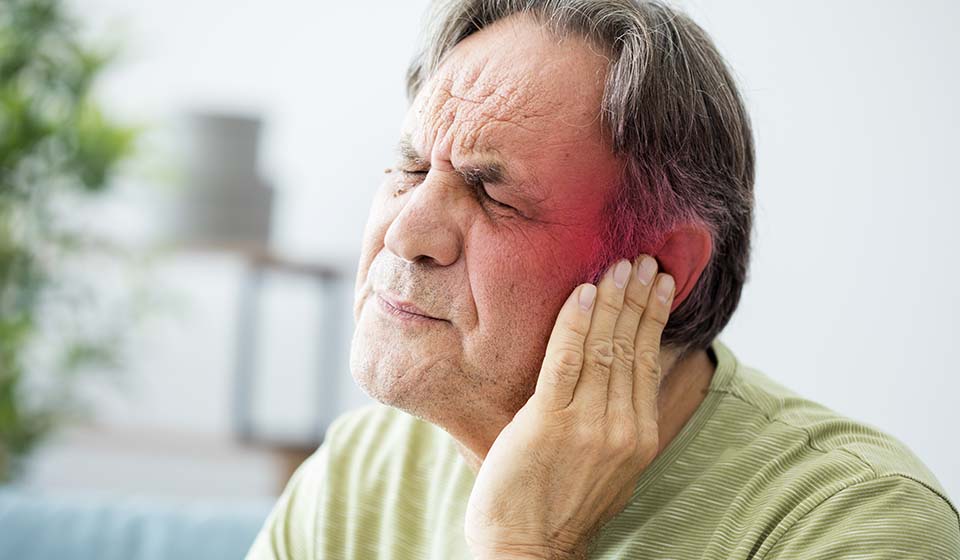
{"x":826,"y":436}
{"x":886,"y":517}
{"x":821,"y":467}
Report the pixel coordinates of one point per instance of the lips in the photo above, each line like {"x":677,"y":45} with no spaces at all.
{"x":405,"y":306}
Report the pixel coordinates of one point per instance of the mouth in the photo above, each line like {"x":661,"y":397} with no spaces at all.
{"x":402,"y":310}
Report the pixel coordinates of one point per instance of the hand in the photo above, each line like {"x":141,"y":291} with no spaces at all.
{"x":570,"y":458}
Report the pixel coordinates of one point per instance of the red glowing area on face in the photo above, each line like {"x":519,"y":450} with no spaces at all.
{"x":487,"y":220}
{"x":497,"y":104}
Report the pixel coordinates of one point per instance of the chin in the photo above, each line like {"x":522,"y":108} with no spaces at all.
{"x":365,"y":368}
{"x":400,"y":377}
{"x":428,"y":378}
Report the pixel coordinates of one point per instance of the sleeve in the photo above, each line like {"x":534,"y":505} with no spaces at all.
{"x":289,"y":532}
{"x":886,"y":518}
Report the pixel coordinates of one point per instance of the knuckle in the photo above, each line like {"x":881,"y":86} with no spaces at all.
{"x":568,"y":357}
{"x":609,"y":305}
{"x":648,"y":360}
{"x":600,"y":355}
{"x":623,"y":442}
{"x":635,"y":304}
{"x":585,"y":436}
{"x":577,"y":327}
{"x":647,"y":431}
{"x":622,"y":358}
{"x":623,"y":348}
{"x":658,"y":318}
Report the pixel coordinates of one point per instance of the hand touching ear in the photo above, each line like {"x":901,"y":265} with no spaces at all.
{"x":569,"y":459}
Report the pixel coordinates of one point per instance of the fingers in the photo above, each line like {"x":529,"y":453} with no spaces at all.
{"x":620,"y":395}
{"x":598,"y":353}
{"x":646,"y":363}
{"x":604,"y":350}
{"x":563,"y":359}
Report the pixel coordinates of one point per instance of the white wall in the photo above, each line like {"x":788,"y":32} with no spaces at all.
{"x":851,"y":299}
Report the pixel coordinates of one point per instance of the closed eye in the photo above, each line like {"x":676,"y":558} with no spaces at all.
{"x":480,"y":188}
{"x":472,"y":179}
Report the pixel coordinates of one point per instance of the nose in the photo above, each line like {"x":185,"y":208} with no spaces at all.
{"x":426,"y":228}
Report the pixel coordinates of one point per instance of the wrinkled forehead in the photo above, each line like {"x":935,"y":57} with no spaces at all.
{"x":512,"y":87}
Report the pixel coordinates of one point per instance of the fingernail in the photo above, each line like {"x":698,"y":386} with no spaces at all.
{"x":587,"y":294}
{"x":621,"y":273}
{"x":665,"y":287}
{"x":646,"y":270}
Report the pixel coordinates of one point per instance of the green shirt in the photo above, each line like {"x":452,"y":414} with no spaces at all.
{"x":757,"y":472}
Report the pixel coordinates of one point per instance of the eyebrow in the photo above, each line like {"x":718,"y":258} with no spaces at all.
{"x":492,"y":172}
{"x":408,"y":153}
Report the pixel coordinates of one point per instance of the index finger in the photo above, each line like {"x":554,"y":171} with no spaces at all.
{"x":564,"y":355}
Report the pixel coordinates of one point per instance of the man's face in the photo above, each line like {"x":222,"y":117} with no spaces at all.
{"x":511,"y":118}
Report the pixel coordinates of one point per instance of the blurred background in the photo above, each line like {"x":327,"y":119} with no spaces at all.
{"x":185,"y":185}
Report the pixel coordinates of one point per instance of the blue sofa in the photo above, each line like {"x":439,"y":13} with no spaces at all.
{"x":35,"y":526}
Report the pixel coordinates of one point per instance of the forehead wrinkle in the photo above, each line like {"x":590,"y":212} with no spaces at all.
{"x":468,"y":106}
{"x":468,"y":94}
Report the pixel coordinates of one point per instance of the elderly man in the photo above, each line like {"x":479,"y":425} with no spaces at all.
{"x":544,"y":274}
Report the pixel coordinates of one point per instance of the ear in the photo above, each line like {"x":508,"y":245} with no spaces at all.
{"x":684,"y":254}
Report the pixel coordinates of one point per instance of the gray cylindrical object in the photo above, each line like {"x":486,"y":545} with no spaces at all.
{"x":222,"y":199}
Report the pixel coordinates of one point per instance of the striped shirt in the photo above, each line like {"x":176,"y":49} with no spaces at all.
{"x":757,"y":472}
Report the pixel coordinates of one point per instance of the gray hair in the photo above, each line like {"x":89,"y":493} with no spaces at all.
{"x":674,"y":117}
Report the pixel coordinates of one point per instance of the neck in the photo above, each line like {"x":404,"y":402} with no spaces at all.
{"x":682,"y":389}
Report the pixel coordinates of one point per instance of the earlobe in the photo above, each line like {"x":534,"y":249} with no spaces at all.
{"x":684,"y":254}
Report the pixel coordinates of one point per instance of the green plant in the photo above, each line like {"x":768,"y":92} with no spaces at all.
{"x":55,"y":145}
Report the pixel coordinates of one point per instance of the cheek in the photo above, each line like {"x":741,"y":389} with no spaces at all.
{"x":382,"y":213}
{"x":520,"y":280}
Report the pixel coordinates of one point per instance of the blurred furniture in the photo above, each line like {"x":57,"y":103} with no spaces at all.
{"x":222,"y":204}
{"x":220,"y":198}
{"x":35,"y":526}
{"x":330,"y":280}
